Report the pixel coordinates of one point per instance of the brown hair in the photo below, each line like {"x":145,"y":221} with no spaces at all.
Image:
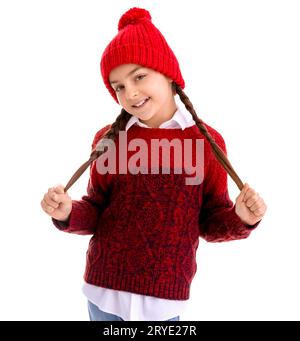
{"x":123,"y":118}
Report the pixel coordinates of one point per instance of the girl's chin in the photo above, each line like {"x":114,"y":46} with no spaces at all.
{"x":144,"y":116}
{"x":141,"y":115}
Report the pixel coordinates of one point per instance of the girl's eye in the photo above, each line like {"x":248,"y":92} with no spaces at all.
{"x":139,"y":77}
{"x":118,"y":88}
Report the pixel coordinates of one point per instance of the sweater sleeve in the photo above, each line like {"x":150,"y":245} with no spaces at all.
{"x":218,"y":221}
{"x":85,"y":213}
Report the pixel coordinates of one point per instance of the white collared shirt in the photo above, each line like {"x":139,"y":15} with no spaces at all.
{"x":181,"y":119}
{"x":135,"y":307}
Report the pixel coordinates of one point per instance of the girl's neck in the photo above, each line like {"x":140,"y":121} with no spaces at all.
{"x":156,"y":121}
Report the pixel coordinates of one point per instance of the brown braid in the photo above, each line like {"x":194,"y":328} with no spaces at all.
{"x":119,"y":124}
{"x":221,"y":157}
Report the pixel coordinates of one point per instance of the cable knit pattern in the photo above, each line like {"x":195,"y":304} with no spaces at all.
{"x":146,"y":227}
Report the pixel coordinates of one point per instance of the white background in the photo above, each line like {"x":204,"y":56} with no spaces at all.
{"x":240,"y":61}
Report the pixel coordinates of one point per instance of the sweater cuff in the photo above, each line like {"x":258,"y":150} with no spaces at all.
{"x":61,"y":225}
{"x":252,"y":226}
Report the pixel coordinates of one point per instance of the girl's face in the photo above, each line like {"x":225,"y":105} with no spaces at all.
{"x":144,"y":93}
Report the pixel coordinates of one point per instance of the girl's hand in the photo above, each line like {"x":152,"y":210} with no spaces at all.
{"x":249,"y":206}
{"x":57,"y":203}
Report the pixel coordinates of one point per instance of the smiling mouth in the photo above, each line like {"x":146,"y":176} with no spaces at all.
{"x":141,"y":105}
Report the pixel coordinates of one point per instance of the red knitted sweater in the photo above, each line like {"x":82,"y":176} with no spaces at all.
{"x":146,"y":227}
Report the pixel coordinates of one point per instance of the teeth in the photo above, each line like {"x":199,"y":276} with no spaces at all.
{"x":140,"y":103}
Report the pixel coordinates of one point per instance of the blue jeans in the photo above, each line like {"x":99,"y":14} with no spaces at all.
{"x":98,"y":315}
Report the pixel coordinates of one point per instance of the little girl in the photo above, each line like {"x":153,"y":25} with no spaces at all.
{"x":146,"y":221}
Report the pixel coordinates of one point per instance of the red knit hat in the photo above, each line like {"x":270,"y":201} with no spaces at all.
{"x":139,"y":42}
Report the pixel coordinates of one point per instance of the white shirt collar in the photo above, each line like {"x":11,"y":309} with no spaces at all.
{"x":182,"y":118}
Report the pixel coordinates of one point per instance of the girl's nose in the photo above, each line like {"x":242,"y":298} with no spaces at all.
{"x":131,"y":93}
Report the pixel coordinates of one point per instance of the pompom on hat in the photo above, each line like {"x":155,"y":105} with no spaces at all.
{"x":139,"y":42}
